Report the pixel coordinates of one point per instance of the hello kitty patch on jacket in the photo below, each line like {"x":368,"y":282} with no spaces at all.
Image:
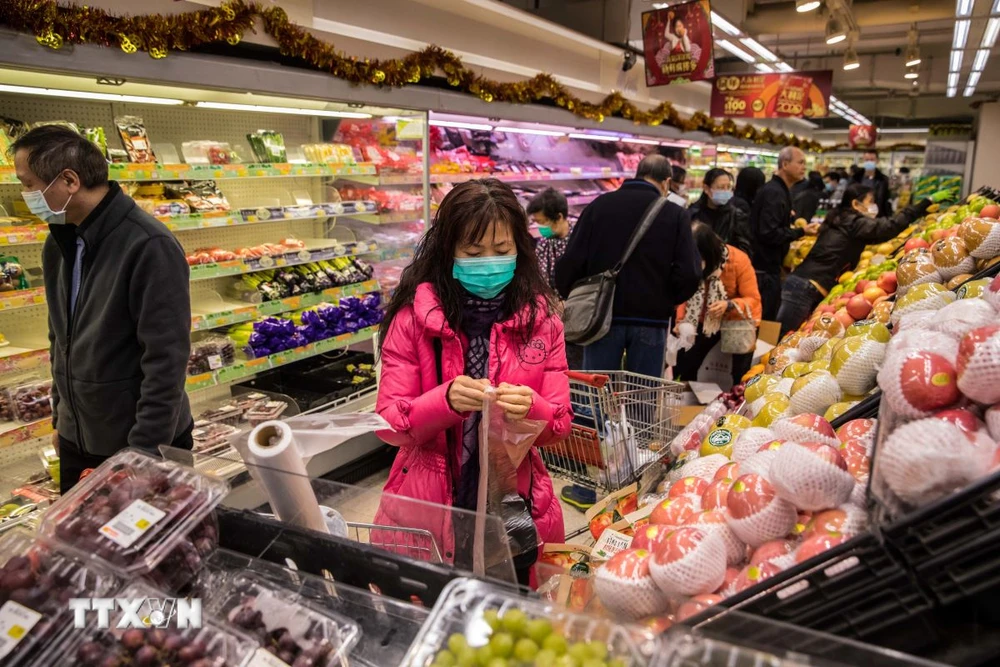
{"x":533,"y":352}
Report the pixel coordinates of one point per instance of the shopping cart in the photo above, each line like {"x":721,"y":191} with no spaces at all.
{"x":416,"y":543}
{"x":623,"y":423}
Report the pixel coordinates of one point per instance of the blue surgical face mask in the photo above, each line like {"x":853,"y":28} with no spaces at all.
{"x":830,"y":186}
{"x":35,"y":199}
{"x":484,"y":276}
{"x":722,"y":197}
{"x":870,"y":166}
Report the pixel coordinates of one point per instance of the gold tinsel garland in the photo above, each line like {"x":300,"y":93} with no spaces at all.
{"x":158,"y":34}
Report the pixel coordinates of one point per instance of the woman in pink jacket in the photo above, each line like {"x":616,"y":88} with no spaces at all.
{"x":472,"y":310}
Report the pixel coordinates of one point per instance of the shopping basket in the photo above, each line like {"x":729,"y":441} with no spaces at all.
{"x":416,"y":543}
{"x":623,"y":423}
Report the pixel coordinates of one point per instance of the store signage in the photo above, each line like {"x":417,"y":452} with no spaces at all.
{"x":677,"y":43}
{"x":141,"y":613}
{"x":862,"y":136}
{"x":777,"y":95}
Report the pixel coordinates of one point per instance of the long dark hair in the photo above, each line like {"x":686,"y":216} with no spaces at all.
{"x":710,"y":177}
{"x":748,"y":182}
{"x":465,"y":216}
{"x":853,"y":192}
{"x":710,"y":247}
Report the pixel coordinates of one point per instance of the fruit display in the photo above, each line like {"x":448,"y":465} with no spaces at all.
{"x":477,"y":623}
{"x":140,"y":515}
{"x":31,"y":400}
{"x":36,"y":584}
{"x":212,"y":255}
{"x":210,"y":353}
{"x":261,"y":286}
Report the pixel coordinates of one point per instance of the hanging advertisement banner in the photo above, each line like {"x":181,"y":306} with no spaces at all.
{"x":677,"y":43}
{"x":777,"y":95}
{"x":862,"y":136}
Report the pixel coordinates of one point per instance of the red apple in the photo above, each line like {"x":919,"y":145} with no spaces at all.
{"x":728,"y":471}
{"x":859,"y":307}
{"x":675,"y":511}
{"x":928,"y":381}
{"x":768,"y":551}
{"x":649,"y":536}
{"x":732,"y":574}
{"x":914,"y":243}
{"x":695,"y":485}
{"x":827,"y":453}
{"x":817,"y":544}
{"x":938,"y":234}
{"x":887,"y":281}
{"x":696,"y":605}
{"x":862,"y":285}
{"x":754,"y":574}
{"x":750,"y":495}
{"x":966,"y":421}
{"x":873,"y":293}
{"x":990,"y":211}
{"x":827,"y":308}
{"x":855,"y":455}
{"x":840,"y":302}
{"x":978,"y":364}
{"x":716,"y":494}
{"x":844,"y":316}
{"x":856,"y":429}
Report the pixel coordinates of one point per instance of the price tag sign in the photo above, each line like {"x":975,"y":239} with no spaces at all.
{"x":131,"y":523}
{"x":611,"y":542}
{"x":16,"y":622}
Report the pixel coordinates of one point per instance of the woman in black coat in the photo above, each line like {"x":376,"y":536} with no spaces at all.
{"x":715,"y":208}
{"x":749,"y":181}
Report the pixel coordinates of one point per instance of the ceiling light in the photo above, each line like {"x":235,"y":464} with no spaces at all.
{"x":725,"y":25}
{"x":461,"y":126}
{"x":912,"y":56}
{"x":991,"y":32}
{"x":761,"y":67}
{"x":835,"y":32}
{"x":979,"y":64}
{"x":523,"y":130}
{"x":851,"y":59}
{"x":996,"y":7}
{"x":953,"y":80}
{"x":785,"y":67}
{"x":660,"y":5}
{"x":81,"y":95}
{"x":288,"y":110}
{"x":904,"y":130}
{"x":759,"y":49}
{"x":803,"y":6}
{"x":911,"y":73}
{"x":952,"y":91}
{"x":736,"y":51}
{"x":595,"y":137}
{"x":961,"y":34}
{"x":964,"y":7}
{"x":973,"y":81}
{"x":956,"y":61}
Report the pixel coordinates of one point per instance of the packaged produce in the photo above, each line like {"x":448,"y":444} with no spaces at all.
{"x":207,"y":435}
{"x":474,"y":622}
{"x":266,"y":412}
{"x":6,"y":405}
{"x":32,"y":401}
{"x":208,"y":152}
{"x":268,"y":146}
{"x":97,"y":136}
{"x":210,"y":354}
{"x":200,"y":196}
{"x":5,"y":144}
{"x":163,"y":645}
{"x":12,"y":275}
{"x":38,"y":580}
{"x":329,"y":153}
{"x":132,"y":130}
{"x":137,"y":513}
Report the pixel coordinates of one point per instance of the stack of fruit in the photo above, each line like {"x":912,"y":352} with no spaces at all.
{"x":747,"y":504}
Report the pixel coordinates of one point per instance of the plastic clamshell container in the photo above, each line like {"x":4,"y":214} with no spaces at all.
{"x":163,"y":644}
{"x":32,"y":401}
{"x":135,"y":510}
{"x":462,"y":609}
{"x":36,"y":582}
{"x":263,"y":610}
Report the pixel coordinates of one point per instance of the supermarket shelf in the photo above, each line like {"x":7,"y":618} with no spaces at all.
{"x":392,"y":254}
{"x":196,"y":172}
{"x":508,"y":177}
{"x":245,"y":369}
{"x":12,"y":433}
{"x":26,"y":235}
{"x":394,"y":217}
{"x":239,"y":266}
{"x":22,"y":298}
{"x":581,"y":200}
{"x":19,"y":359}
{"x":248,"y":312}
{"x":252,"y":216}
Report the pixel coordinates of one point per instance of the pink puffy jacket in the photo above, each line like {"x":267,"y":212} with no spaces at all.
{"x":416,"y":405}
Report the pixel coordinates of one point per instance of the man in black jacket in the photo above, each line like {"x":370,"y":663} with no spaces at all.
{"x":664,"y":271}
{"x":117,"y":288}
{"x":869,"y":174}
{"x":770,"y":224}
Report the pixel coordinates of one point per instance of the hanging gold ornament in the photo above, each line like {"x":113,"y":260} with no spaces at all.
{"x":128,"y":45}
{"x":378,"y":76}
{"x":157,"y":52}
{"x":50,"y":39}
{"x":234,"y":39}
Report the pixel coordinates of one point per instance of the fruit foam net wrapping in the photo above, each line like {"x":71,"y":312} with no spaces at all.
{"x":856,"y":375}
{"x":689,"y":562}
{"x":776,"y":520}
{"x":808,"y":481}
{"x":632,"y":594}
{"x":751,"y":440}
{"x":820,"y":392}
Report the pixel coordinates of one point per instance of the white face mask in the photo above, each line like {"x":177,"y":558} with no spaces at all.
{"x":35,"y":199}
{"x":872,"y":211}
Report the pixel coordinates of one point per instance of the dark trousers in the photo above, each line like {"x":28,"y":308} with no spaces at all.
{"x":73,"y":460}
{"x":798,"y":300}
{"x":690,"y":361}
{"x":769,"y":285}
{"x":644,"y":349}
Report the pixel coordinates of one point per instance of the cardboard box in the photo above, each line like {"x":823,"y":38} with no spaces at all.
{"x":688,"y":412}
{"x":769,"y":332}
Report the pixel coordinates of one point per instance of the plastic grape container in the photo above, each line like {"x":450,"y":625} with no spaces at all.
{"x":136,"y":512}
{"x":36,"y":584}
{"x":478,"y":623}
{"x":161,"y":644}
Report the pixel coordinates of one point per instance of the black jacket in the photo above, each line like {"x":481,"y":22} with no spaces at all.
{"x":730,"y":223}
{"x":806,"y":203}
{"x":665,"y":269}
{"x":120,"y":362}
{"x":844,"y":236}
{"x":881,"y":182}
{"x":770,"y":224}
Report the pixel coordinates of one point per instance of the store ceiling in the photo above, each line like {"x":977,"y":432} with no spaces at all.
{"x":877,"y":89}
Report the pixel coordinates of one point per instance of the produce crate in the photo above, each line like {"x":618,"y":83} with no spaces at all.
{"x":865,"y":409}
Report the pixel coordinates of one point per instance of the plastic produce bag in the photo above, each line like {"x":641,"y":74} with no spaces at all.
{"x":503,"y":445}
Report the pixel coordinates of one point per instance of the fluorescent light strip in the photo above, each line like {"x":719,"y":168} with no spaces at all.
{"x":904,"y":130}
{"x":226,"y":106}
{"x":595,"y":137}
{"x":461,"y":126}
{"x":961,"y":34}
{"x":996,"y":7}
{"x":736,"y":51}
{"x":973,"y":80}
{"x":956,"y":62}
{"x":979,"y":64}
{"x":648,"y":142}
{"x":785,"y":67}
{"x":522,"y":130}
{"x":991,"y":33}
{"x":953,"y":80}
{"x":719,"y":22}
{"x":761,"y":67}
{"x":81,"y":95}
{"x":964,"y":7}
{"x":952,"y":91}
{"x":759,"y":49}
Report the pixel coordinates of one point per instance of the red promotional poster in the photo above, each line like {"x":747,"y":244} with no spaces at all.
{"x":862,"y":136}
{"x":677,"y":43}
{"x":777,"y":95}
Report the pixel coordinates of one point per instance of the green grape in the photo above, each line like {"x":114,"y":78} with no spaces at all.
{"x":456,"y":642}
{"x":483,"y":655}
{"x":466,"y":657}
{"x":556,"y":643}
{"x":497,"y":662}
{"x":546,"y":658}
{"x":617,"y":662}
{"x":538,"y":629}
{"x":525,"y":650}
{"x":492,"y":618}
{"x":502,"y":644}
{"x":597,"y":650}
{"x":515,"y":621}
{"x":566,"y":661}
{"x":594,"y":662}
{"x":445,"y":658}
{"x":579,"y":651}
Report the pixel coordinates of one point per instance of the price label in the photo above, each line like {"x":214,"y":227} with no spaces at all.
{"x":214,"y":361}
{"x":131,"y":523}
{"x":264,"y":658}
{"x":16,"y":621}
{"x":611,"y":542}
